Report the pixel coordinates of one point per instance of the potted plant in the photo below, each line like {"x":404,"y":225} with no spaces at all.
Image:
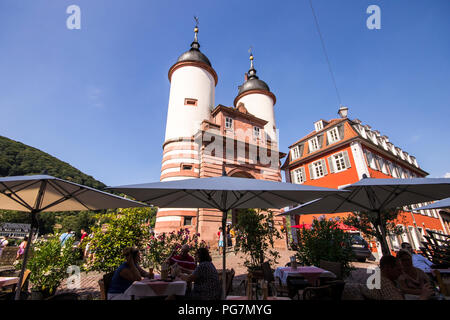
{"x":324,"y":241}
{"x":255,"y":236}
{"x":48,"y":265}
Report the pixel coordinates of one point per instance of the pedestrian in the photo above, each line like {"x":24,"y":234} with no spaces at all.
{"x":84,"y":234}
{"x":229,"y":240}
{"x":66,"y":235}
{"x":220,"y":235}
{"x":21,"y":250}
{"x":3,"y":244}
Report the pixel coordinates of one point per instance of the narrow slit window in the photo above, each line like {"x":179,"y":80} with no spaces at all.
{"x":190,"y":102}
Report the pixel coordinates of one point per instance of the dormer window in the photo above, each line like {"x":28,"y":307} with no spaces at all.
{"x":313,"y":144}
{"x":228,"y":123}
{"x":333,"y":135}
{"x":318,"y":125}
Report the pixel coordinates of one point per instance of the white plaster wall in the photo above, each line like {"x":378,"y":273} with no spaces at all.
{"x":261,"y":106}
{"x":189,"y":82}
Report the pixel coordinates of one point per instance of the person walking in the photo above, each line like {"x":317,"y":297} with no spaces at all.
{"x":220,"y":235}
{"x":3,"y":244}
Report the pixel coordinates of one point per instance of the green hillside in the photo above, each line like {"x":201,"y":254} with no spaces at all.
{"x":18,"y":159}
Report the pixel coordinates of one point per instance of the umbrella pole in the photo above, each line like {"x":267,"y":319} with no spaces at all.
{"x":224,"y":271}
{"x":25,"y":257}
{"x":384,"y":246}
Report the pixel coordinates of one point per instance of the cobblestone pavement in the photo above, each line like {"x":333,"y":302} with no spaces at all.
{"x":91,"y":290}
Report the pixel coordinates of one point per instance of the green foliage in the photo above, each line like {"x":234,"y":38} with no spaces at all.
{"x":18,"y":159}
{"x":49,"y":262}
{"x":128,"y":228}
{"x":255,"y":234}
{"x":324,"y":241}
{"x":368,"y":223}
{"x":159,"y":248}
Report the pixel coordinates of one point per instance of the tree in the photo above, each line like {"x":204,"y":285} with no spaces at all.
{"x":127,"y":228}
{"x":324,"y":241}
{"x":374,"y":225}
{"x":255,"y":234}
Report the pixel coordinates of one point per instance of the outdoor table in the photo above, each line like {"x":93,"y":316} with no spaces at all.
{"x":246,"y":298}
{"x":311,"y":273}
{"x":156,"y":287}
{"x":8,"y":281}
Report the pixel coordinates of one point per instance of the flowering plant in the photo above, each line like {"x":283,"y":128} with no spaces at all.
{"x":160,"y":247}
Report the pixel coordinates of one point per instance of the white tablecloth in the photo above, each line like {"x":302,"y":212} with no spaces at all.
{"x":311,"y":273}
{"x":148,"y":288}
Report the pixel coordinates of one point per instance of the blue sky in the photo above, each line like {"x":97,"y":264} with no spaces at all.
{"x":97,"y":97}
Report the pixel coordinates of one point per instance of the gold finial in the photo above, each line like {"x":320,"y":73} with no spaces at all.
{"x":251,"y":57}
{"x":196,"y":28}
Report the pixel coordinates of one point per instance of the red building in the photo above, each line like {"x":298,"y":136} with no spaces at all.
{"x":339,"y":152}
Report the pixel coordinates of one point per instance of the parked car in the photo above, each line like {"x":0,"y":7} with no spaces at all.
{"x":360,"y":247}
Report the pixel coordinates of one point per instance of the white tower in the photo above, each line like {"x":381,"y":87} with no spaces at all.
{"x":258,"y":100}
{"x":192,"y":86}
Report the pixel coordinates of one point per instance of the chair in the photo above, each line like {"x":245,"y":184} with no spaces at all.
{"x":443,"y":286}
{"x":25,"y":280}
{"x":294,"y":284}
{"x":64,"y":296}
{"x":274,"y":287}
{"x":104,"y":285}
{"x":7,"y":259}
{"x":229,"y":279}
{"x":334,"y":267}
{"x":322,"y":293}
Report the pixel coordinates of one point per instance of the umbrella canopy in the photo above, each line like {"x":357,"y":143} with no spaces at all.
{"x":43,"y":193}
{"x":376,"y":195}
{"x":224,"y":193}
{"x":443,"y":204}
{"x":302,"y":226}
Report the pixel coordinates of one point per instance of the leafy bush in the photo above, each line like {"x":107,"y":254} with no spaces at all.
{"x":255,"y":234}
{"x":128,"y":228}
{"x":49,"y":261}
{"x":324,"y":241}
{"x":160,"y":247}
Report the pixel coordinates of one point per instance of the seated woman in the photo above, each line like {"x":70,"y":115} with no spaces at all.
{"x":413,"y":279}
{"x":205,"y":277}
{"x":126,"y":274}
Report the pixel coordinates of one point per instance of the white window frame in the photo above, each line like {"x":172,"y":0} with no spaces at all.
{"x":339,"y":160}
{"x":299,"y":175}
{"x":333,"y":138}
{"x":371,"y":160}
{"x":313,"y":144}
{"x":256,"y":132}
{"x":318,"y":167}
{"x":229,"y":123}
{"x":295,"y":153}
{"x":318,"y":125}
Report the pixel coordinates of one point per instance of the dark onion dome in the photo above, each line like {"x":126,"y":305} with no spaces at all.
{"x":194,"y":54}
{"x":253,"y":83}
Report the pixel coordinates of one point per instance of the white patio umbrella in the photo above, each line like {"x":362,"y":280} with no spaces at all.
{"x":376,"y":195}
{"x":223,"y":193}
{"x":442,"y":204}
{"x":43,"y":193}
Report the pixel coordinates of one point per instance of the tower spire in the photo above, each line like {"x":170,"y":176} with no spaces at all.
{"x":252,"y":71}
{"x":195,"y":44}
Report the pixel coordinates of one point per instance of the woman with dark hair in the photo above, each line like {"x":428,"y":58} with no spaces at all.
{"x":205,"y":277}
